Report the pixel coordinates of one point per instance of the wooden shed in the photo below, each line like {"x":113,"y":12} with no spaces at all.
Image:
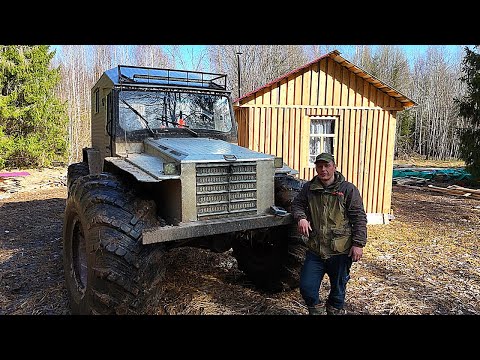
{"x":330,"y":105}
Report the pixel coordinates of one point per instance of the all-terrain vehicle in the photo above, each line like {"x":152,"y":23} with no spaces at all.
{"x":164,"y":171}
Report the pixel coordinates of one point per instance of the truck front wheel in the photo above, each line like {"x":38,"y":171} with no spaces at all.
{"x":74,"y":172}
{"x":107,"y":268}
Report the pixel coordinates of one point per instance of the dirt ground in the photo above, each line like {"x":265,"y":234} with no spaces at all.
{"x":426,"y":261}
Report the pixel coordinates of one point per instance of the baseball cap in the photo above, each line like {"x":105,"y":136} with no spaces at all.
{"x":324,"y":157}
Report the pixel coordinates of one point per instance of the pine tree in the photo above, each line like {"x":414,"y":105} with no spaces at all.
{"x":33,"y":121}
{"x":469,"y":109}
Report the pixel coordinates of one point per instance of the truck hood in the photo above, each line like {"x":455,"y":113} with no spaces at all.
{"x":203,"y":150}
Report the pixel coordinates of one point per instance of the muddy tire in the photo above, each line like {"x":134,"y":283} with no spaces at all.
{"x":269,"y":258}
{"x":74,"y":172}
{"x":107,"y":268}
{"x":273,"y":258}
{"x":286,"y":188}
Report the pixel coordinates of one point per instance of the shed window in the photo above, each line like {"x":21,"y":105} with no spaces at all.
{"x":322,"y":132}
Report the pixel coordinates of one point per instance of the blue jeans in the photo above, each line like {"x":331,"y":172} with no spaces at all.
{"x":314,"y":268}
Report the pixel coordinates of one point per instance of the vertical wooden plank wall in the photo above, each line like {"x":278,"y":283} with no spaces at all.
{"x":391,"y":128}
{"x":276,"y":120}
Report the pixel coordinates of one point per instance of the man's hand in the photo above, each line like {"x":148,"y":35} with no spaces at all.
{"x":356,"y":252}
{"x":304,"y":227}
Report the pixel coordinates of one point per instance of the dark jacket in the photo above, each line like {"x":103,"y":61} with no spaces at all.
{"x":335,"y":213}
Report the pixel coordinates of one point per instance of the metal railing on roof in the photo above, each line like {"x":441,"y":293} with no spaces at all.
{"x":158,"y":76}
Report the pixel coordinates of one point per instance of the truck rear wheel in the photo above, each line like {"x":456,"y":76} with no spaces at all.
{"x":269,"y":257}
{"x":273,"y":258}
{"x":286,"y":188}
{"x":107,"y":268}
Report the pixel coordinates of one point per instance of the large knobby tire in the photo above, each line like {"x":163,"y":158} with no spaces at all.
{"x":286,"y":188}
{"x":273,"y":258}
{"x":264,"y":256}
{"x":107,"y":268}
{"x":74,"y":172}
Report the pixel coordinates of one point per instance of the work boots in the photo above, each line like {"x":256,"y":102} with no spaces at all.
{"x":318,"y":309}
{"x":334,"y":311}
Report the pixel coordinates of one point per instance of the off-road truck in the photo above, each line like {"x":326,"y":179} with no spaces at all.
{"x":164,"y":170}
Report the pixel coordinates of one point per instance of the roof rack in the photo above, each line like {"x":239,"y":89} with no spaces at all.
{"x":156,"y":76}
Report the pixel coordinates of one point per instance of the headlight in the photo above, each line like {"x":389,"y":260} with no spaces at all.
{"x":169,"y":168}
{"x":278,"y":162}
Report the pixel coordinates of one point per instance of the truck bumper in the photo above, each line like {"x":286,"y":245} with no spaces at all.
{"x":212,"y":227}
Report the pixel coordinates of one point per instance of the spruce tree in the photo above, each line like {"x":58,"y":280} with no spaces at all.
{"x":469,"y":109}
{"x":33,"y":121}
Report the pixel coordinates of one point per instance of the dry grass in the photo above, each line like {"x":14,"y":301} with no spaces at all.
{"x":426,"y":261}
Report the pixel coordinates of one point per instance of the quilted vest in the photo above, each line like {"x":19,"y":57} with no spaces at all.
{"x":331,"y":232}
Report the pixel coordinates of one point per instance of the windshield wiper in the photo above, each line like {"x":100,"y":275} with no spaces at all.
{"x":140,"y":116}
{"x":193,"y":132}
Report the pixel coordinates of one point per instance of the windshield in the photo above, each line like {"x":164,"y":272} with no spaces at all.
{"x":156,"y":110}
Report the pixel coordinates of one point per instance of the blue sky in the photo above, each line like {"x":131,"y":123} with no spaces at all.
{"x":411,"y":51}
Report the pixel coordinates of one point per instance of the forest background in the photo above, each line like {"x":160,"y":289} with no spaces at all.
{"x":46,"y":90}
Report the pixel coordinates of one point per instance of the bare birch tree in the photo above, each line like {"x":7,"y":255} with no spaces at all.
{"x":102,"y":59}
{"x":315,"y":51}
{"x":259,"y":64}
{"x":186,"y":58}
{"x":436,"y":83}
{"x":151,"y":56}
{"x":74,"y":89}
{"x":432,"y":80}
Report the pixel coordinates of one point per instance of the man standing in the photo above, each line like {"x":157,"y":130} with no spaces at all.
{"x":330,"y":215}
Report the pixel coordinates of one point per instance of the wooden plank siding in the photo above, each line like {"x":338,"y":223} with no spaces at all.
{"x":276,"y":120}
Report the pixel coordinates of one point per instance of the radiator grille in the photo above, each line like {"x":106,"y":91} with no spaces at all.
{"x":226,"y":190}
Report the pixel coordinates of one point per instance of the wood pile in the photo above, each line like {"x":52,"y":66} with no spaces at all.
{"x":411,"y":180}
{"x":451,"y":190}
{"x":457,"y":190}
